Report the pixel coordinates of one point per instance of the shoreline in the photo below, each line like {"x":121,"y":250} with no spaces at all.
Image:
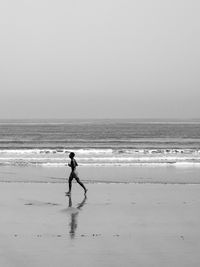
{"x":136,"y":175}
{"x":101,"y":182}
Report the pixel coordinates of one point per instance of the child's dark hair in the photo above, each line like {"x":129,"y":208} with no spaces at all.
{"x":72,"y":154}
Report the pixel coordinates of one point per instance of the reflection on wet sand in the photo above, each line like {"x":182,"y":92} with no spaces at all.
{"x":73,"y":212}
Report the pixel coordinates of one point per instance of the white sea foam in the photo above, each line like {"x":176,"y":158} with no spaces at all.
{"x":100,"y":161}
{"x":55,"y":151}
{"x":100,"y":151}
{"x":103,"y":157}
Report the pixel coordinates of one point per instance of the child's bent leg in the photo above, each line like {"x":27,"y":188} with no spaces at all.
{"x":81,"y":184}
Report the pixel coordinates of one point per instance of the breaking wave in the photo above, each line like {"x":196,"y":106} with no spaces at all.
{"x":99,"y":157}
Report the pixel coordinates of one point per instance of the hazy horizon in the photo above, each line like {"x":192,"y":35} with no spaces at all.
{"x":167,"y":120}
{"x":107,"y":59}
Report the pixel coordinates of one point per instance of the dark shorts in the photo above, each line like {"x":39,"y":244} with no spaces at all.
{"x":73,"y":175}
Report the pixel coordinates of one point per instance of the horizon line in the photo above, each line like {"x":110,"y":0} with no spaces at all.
{"x":153,"y":119}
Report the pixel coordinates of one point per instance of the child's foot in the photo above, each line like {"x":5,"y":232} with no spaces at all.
{"x":68,"y":193}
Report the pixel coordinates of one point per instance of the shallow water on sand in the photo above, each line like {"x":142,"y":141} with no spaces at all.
{"x":137,"y":174}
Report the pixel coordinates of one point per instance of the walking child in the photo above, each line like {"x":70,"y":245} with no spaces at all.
{"x":74,"y":175}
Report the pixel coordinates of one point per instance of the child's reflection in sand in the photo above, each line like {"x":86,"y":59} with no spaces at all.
{"x":73,"y":212}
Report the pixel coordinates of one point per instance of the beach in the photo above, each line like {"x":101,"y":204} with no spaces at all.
{"x":118,"y":224}
{"x":142,"y":206}
{"x":102,"y":96}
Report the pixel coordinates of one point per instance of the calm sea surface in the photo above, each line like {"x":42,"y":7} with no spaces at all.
{"x":100,"y":142}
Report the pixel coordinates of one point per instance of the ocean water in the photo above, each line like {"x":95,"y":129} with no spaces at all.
{"x":99,"y":142}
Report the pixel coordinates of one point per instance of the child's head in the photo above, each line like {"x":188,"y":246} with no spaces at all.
{"x":71,"y":155}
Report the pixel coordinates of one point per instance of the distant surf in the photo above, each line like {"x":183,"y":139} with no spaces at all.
{"x":99,"y":142}
{"x":98,"y":157}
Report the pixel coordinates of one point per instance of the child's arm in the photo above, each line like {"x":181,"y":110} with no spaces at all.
{"x":73,"y":164}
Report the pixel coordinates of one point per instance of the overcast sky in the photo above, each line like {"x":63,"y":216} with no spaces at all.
{"x":99,"y":59}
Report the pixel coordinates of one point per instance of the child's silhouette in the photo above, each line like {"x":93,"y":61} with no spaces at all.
{"x":74,"y":175}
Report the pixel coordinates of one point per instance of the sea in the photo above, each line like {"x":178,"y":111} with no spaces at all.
{"x":111,"y":142}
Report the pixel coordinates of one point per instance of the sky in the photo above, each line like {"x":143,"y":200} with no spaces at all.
{"x":99,"y":59}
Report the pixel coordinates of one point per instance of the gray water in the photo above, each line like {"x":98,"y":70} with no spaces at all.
{"x":99,"y":142}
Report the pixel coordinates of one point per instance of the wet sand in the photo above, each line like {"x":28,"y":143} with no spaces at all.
{"x":167,"y":174}
{"x":116,"y":225}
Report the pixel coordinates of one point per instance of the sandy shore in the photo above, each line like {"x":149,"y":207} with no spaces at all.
{"x":167,"y":174}
{"x":116,"y":225}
